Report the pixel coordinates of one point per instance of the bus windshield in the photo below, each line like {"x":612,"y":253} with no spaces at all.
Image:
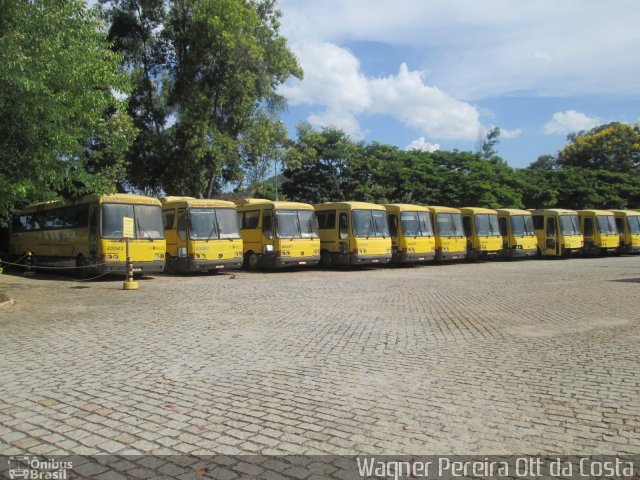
{"x":416,"y":224}
{"x":147,"y":220}
{"x":607,"y":225}
{"x":522,"y":226}
{"x":450,"y":225}
{"x":569,"y":225}
{"x":634,"y":224}
{"x":487,"y":225}
{"x":370,"y":223}
{"x":213,"y":223}
{"x":296,"y":224}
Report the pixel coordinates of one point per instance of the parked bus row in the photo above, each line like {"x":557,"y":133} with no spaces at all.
{"x":184,"y":234}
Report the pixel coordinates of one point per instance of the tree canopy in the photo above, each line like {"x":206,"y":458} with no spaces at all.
{"x":63,"y":131}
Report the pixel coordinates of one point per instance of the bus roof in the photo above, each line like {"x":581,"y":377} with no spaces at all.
{"x":595,"y":212}
{"x":441,"y":209}
{"x":476,"y":210}
{"x":626,"y":213}
{"x":244,"y":203}
{"x":94,"y":198}
{"x":197,"y":202}
{"x":404,"y":207}
{"x":513,"y":211}
{"x":558,"y":211}
{"x":348,"y":206}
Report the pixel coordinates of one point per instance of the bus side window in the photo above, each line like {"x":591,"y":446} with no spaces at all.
{"x":466,"y":224}
{"x":538,"y":222}
{"x":344,"y":226}
{"x":502,"y":221}
{"x":588,"y":227}
{"x":392,"y":220}
{"x":93,"y":222}
{"x":182,"y":224}
{"x":620,"y":225}
{"x":551,"y":227}
{"x":169,"y":217}
{"x":267,"y":224}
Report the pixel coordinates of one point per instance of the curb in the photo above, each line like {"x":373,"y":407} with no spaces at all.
{"x":5,"y":301}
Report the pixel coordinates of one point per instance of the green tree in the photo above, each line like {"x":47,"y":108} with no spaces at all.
{"x":62,"y":130}
{"x":207,"y":73}
{"x":614,"y":147}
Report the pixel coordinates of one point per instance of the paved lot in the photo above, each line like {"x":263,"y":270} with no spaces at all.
{"x":504,"y":357}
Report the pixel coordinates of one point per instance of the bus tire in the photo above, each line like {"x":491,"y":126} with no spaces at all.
{"x":325,"y":259}
{"x":251,"y":261}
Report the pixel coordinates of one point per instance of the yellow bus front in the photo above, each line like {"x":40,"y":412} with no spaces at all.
{"x":570,"y":238}
{"x":451,"y":242}
{"x":214,"y":241}
{"x":147,"y":247}
{"x":370,"y":241}
{"x":296,"y":242}
{"x":522,"y":240}
{"x":607,"y":238}
{"x":483,"y":235}
{"x":630,"y":234}
{"x":414,"y":238}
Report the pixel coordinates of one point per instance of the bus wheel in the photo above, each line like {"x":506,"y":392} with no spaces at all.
{"x":325,"y":259}
{"x":251,"y":261}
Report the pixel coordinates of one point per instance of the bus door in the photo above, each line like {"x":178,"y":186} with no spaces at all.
{"x":551,"y":246}
{"x":181,"y":236}
{"x":93,"y":230}
{"x":343,"y":232}
{"x":267,"y":228}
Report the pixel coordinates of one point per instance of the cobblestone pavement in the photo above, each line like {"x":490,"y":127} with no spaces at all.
{"x":498,"y":357}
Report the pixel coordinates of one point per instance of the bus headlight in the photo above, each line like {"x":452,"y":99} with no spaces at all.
{"x":158,"y":256}
{"x":267,"y":249}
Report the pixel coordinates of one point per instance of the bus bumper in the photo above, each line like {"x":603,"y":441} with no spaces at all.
{"x":139,"y":268}
{"x":448,"y":256}
{"x":403,"y":257}
{"x":355,"y":259}
{"x":517,"y":253}
{"x":284,"y":262}
{"x":212,"y":265}
{"x":628,"y":249}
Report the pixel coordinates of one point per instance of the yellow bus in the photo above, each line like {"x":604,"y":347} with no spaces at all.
{"x":628,"y":223}
{"x":278,"y":234}
{"x":599,"y":231}
{"x":87,"y":233}
{"x":482,"y":231}
{"x":353,"y":233}
{"x":518,"y":236}
{"x":451,"y":243}
{"x":412,"y":238}
{"x":201,"y":235}
{"x":558,"y":232}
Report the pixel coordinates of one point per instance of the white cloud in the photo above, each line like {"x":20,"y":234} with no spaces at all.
{"x":569,"y":121}
{"x":504,"y":133}
{"x":334,"y":82}
{"x":422,"y":145}
{"x":484,"y":49}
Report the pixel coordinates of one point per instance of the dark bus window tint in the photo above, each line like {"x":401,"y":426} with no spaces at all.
{"x":250,"y":219}
{"x":326,"y":220}
{"x":588,"y":227}
{"x":538,"y":222}
{"x":112,"y":215}
{"x":466,"y":224}
{"x":267,"y":224}
{"x":392,"y":220}
{"x":551,"y":227}
{"x":344,"y":225}
{"x":620,"y":224}
{"x":502,"y":222}
{"x":182,"y":224}
{"x":169,"y":217}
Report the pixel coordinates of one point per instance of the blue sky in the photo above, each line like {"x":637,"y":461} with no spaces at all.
{"x":438,"y":74}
